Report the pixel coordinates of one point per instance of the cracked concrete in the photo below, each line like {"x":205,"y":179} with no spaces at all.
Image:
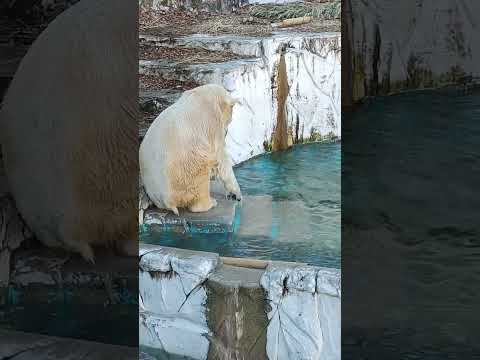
{"x":194,"y":305}
{"x":304,"y":318}
{"x":173,"y":298}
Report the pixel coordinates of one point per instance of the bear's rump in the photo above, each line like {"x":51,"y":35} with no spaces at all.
{"x":188,"y":180}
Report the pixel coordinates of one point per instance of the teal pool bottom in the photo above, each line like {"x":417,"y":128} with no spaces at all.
{"x":291,"y":210}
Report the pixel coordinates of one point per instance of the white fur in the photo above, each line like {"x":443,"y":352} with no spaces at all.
{"x":69,"y":134}
{"x":184,"y":146}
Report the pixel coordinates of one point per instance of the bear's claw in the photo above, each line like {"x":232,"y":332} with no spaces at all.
{"x":233,"y":196}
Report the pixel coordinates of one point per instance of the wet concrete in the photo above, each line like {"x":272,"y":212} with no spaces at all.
{"x":236,"y":314}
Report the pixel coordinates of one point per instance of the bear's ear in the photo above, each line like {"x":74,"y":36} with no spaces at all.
{"x":236,"y":100}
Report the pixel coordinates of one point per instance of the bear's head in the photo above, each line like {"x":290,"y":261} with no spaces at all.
{"x":220,"y":99}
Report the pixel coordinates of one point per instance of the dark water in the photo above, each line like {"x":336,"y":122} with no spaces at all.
{"x":410,"y":228}
{"x":110,"y":324}
{"x":291,"y":211}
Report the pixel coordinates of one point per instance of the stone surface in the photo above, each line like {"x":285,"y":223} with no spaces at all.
{"x":219,"y":219}
{"x":195,"y":306}
{"x":435,"y":43}
{"x":236,"y":314}
{"x":46,"y":275}
{"x":173,"y":318}
{"x":20,"y":345}
{"x":304,"y":320}
{"x":193,"y":267}
{"x":256,"y":216}
{"x":313,"y":72}
{"x":259,"y":216}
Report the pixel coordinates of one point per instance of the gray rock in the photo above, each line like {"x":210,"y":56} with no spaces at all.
{"x":304,"y":323}
{"x":173,"y":297}
{"x":194,"y":306}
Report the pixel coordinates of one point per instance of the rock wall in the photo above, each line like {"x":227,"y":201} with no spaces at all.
{"x":193,"y":305}
{"x":313,"y":72}
{"x":400,"y":45}
{"x":172,"y":300}
{"x":305,"y":305}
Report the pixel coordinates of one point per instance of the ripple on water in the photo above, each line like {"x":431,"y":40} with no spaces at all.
{"x":303,"y":185}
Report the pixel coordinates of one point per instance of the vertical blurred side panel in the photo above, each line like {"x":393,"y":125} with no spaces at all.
{"x":69,"y":174}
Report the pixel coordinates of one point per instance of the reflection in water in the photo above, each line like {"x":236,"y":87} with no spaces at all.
{"x":410,"y":230}
{"x":290,"y":211}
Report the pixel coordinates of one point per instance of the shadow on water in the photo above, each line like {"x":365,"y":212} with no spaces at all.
{"x":410,"y":176}
{"x":290,"y":212}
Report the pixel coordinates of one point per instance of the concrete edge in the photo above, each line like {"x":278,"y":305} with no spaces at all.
{"x":300,"y":276}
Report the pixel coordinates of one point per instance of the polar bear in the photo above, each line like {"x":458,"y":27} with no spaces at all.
{"x":184,"y":146}
{"x":68,"y":130}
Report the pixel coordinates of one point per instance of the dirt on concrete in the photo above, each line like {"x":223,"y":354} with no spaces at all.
{"x":184,"y":55}
{"x":156,"y":82}
{"x":159,"y":22}
{"x":175,"y":23}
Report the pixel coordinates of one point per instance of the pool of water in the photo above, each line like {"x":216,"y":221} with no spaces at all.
{"x":410,"y":176}
{"x":290,"y":212}
{"x":109,"y":324}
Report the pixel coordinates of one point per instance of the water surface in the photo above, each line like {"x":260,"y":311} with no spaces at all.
{"x":290,"y":212}
{"x":411,"y":231}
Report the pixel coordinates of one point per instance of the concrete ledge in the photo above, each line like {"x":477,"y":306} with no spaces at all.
{"x":15,"y":344}
{"x":194,"y":305}
{"x":42,"y":274}
{"x":220,"y":219}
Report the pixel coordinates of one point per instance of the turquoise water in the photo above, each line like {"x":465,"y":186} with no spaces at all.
{"x":290,"y":211}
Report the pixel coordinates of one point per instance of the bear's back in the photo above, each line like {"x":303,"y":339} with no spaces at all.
{"x":68,"y":116}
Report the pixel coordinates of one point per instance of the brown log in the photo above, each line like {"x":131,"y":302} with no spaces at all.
{"x":246,"y":263}
{"x":253,"y":263}
{"x":293,"y":22}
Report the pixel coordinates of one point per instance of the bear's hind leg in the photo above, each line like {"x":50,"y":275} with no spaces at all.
{"x":84,"y":249}
{"x":203,"y":201}
{"x":75,"y":239}
{"x":203,"y":205}
{"x":170,"y":205}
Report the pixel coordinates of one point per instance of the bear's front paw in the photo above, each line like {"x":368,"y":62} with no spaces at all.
{"x":235,"y":196}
